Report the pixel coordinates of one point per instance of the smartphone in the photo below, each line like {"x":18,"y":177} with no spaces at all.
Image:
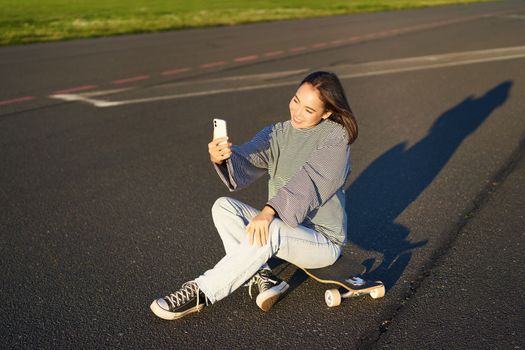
{"x":219,"y":129}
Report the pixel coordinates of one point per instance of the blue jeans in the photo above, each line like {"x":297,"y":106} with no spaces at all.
{"x":298,"y":245}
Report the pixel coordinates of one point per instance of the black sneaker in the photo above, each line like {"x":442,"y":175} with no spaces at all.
{"x":270,"y":288}
{"x":185,"y":301}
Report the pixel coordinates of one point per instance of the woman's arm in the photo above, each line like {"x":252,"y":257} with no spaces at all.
{"x":247,"y":162}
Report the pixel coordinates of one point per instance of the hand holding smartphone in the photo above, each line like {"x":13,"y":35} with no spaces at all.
{"x":219,"y":148}
{"x":219,"y":129}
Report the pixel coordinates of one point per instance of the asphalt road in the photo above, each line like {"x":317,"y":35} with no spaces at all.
{"x":106,"y":185}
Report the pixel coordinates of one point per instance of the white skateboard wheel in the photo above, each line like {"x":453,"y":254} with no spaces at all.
{"x":332,"y":297}
{"x":378,"y":293}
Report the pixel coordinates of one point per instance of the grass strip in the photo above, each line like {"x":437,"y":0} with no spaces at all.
{"x":29,"y":21}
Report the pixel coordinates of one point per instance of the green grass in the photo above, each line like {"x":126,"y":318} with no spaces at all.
{"x":26,"y":21}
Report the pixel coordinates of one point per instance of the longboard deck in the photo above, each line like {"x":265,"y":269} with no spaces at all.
{"x":341,"y":273}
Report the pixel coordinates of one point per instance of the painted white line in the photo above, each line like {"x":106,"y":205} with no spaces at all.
{"x":103,"y":103}
{"x":344,"y":72}
{"x":80,"y":98}
{"x":430,"y":66}
{"x":87,"y":97}
{"x":457,"y":56}
{"x":107,"y":92}
{"x":515,"y":16}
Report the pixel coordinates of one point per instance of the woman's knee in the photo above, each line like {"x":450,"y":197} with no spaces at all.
{"x":222,"y":206}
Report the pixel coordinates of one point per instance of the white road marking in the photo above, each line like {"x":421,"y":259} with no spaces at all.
{"x":347,"y":71}
{"x":104,"y":103}
{"x":106,"y":92}
{"x":86,"y":97}
{"x":429,"y":66}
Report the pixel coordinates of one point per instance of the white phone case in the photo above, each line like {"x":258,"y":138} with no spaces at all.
{"x":219,"y":129}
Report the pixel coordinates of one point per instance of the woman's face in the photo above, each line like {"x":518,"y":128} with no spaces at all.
{"x":306,"y":108}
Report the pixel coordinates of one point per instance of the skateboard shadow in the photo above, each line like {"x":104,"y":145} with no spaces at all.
{"x":395,"y":179}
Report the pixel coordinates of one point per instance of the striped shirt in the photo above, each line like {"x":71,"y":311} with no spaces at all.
{"x":307,"y":169}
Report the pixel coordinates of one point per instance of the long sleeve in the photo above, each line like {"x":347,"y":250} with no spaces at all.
{"x":315,"y":182}
{"x":247,"y":163}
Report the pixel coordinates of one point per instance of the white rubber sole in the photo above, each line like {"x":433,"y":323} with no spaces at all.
{"x":266,"y":300}
{"x":168,"y":315}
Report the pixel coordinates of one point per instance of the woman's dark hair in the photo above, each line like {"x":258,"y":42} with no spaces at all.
{"x":333,"y":95}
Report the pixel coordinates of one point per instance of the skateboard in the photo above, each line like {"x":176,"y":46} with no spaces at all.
{"x":345,"y":274}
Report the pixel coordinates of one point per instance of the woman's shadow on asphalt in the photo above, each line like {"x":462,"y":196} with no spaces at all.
{"x":395,"y":179}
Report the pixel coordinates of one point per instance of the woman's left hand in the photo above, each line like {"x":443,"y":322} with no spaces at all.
{"x":258,"y":228}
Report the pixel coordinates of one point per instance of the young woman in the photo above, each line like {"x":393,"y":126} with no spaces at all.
{"x":304,"y":220}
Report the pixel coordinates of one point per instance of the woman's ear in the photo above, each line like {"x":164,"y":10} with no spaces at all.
{"x":326,"y":114}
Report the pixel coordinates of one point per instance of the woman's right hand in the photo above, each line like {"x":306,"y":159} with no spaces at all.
{"x":219,"y":153}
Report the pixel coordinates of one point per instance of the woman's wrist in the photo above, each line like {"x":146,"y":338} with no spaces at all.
{"x":269,"y":210}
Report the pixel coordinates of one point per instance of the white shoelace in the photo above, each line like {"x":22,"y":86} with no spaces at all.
{"x":261,"y":282}
{"x":186,"y":292}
